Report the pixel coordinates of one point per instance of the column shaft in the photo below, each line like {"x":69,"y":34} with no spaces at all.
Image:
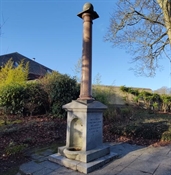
{"x":86,"y":81}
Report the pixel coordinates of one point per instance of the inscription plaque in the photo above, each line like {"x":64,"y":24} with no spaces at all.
{"x":94,"y":130}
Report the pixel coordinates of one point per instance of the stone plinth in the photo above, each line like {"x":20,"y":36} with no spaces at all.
{"x":85,"y":124}
{"x":84,"y":148}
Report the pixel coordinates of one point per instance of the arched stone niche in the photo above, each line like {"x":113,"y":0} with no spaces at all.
{"x":76,"y":134}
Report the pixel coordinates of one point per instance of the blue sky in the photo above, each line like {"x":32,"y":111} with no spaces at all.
{"x":51,"y":32}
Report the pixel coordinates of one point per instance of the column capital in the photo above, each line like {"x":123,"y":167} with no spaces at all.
{"x":88,"y":8}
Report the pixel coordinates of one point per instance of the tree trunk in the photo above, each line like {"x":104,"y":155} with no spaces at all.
{"x":165,"y":5}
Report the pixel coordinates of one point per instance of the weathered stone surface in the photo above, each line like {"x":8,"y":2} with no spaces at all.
{"x":125,"y":164}
{"x":84,"y":125}
{"x":81,"y":166}
{"x":30,"y":167}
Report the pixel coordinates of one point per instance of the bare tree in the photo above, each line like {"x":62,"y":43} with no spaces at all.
{"x":163,"y":90}
{"x":143,"y":28}
{"x":2,"y":22}
{"x":77,"y":70}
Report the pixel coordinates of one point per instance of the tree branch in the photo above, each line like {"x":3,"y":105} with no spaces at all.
{"x":148,"y":19}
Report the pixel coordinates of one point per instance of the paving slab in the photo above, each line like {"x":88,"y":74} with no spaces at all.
{"x":144,"y":166}
{"x":50,"y":165}
{"x":132,"y":160}
{"x":125,"y":148}
{"x":30,"y":167}
{"x":38,"y":158}
{"x":130,"y":171}
{"x":47,"y":152}
{"x":64,"y":171}
{"x":43,"y":171}
{"x":163,"y":170}
{"x":166,"y":162}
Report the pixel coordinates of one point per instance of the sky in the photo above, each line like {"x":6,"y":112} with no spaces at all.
{"x":51,"y":32}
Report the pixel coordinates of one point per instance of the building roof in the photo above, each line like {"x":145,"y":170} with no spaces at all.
{"x":36,"y":70}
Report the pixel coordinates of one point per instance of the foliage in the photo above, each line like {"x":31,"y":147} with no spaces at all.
{"x":12,"y":82}
{"x":35,"y":99}
{"x":166,"y":136}
{"x":154,"y":100}
{"x":49,"y":78}
{"x":13,"y":75}
{"x":129,"y":90}
{"x":124,"y":89}
{"x":13,"y":149}
{"x":61,"y":90}
{"x":100,"y":94}
{"x":166,"y":102}
{"x":51,"y":92}
{"x":143,"y":28}
{"x":18,"y":99}
{"x":3,"y":116}
{"x":12,"y":97}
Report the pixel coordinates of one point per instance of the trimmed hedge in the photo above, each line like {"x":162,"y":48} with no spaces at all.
{"x":12,"y":98}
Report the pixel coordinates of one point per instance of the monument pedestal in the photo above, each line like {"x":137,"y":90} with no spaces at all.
{"x":84,"y":150}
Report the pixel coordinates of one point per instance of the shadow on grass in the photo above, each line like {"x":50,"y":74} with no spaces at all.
{"x":149,"y":131}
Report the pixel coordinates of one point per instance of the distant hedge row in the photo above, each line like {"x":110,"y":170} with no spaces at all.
{"x":159,"y":102}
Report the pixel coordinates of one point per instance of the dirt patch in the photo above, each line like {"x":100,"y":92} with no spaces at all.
{"x":17,"y":138}
{"x":32,"y":132}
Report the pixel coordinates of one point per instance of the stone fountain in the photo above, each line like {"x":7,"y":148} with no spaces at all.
{"x":84,"y":150}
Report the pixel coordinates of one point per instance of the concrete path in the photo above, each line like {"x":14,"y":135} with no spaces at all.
{"x":132,"y":160}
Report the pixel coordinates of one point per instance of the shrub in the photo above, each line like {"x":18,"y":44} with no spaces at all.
{"x":12,"y":97}
{"x":10,"y":74}
{"x":110,"y":114}
{"x":35,"y":99}
{"x":126,"y":112}
{"x":12,"y":82}
{"x":166,"y":136}
{"x":61,"y":90}
{"x":124,"y":89}
{"x":20,"y":99}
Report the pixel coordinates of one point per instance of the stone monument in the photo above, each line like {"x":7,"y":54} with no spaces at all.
{"x":84,"y":150}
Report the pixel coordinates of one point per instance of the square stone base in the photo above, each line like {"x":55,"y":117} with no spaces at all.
{"x":87,"y":156}
{"x":81,"y":166}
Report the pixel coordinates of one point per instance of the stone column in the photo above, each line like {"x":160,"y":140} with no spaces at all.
{"x":87,"y":15}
